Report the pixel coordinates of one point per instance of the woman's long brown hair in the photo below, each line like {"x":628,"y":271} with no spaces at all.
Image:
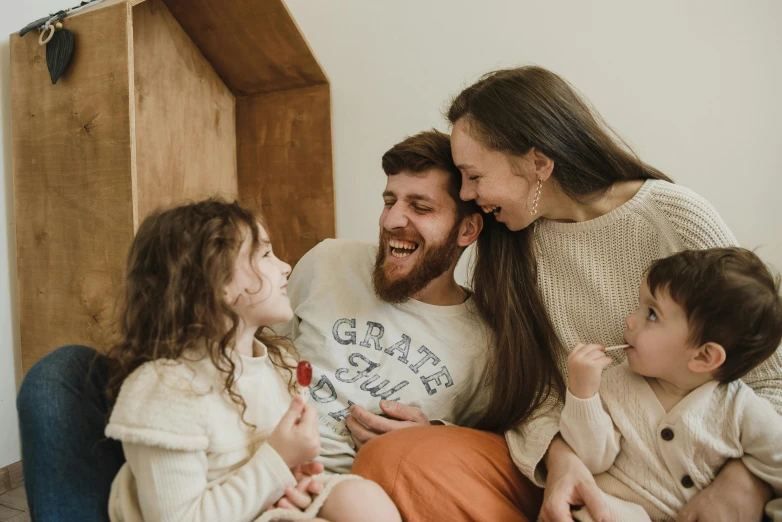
{"x":178,"y":267}
{"x":511,"y":111}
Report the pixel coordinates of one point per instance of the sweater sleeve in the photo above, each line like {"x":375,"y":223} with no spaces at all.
{"x":162,"y":404}
{"x":699,"y":226}
{"x":590,"y":432}
{"x":172,"y":485}
{"x":760,"y":434}
{"x":766,"y":380}
{"x":694,"y":220}
{"x":529,"y":442}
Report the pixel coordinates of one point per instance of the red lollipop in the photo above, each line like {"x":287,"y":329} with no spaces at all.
{"x":304,"y":374}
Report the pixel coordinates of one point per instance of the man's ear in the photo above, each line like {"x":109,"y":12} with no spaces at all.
{"x":544,"y":165}
{"x":707,"y":358}
{"x":469,"y":229}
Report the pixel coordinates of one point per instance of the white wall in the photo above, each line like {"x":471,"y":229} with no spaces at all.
{"x":694,"y":86}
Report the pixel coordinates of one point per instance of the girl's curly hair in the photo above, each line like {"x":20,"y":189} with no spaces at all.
{"x":178,"y":267}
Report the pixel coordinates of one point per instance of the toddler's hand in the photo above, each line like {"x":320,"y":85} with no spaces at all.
{"x":585,"y":364}
{"x":296,"y":437}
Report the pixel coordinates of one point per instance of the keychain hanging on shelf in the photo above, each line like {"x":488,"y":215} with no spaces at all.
{"x":57,"y":39}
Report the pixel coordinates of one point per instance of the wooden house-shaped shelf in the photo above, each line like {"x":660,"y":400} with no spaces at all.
{"x":164,"y":101}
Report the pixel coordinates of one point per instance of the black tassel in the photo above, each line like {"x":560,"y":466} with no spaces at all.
{"x":58,"y":53}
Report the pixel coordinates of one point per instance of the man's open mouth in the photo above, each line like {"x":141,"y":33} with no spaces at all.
{"x":401,"y":248}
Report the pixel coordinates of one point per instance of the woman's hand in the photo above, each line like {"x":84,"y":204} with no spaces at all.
{"x":736,"y":494}
{"x":296,"y":437}
{"x":569,"y":483}
{"x":585,"y":366}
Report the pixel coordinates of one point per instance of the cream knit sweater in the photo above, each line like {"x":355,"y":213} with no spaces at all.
{"x":665,"y":458}
{"x":589,"y":274}
{"x":190,"y":456}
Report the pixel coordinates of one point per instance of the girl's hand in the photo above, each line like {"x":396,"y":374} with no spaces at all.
{"x":585,"y":365}
{"x":300,"y":496}
{"x":296,"y":437}
{"x":569,"y":483}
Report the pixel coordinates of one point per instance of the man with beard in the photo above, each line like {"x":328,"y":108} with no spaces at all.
{"x":392,"y":338}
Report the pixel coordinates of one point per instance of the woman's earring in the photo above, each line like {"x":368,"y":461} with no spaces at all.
{"x":536,"y":198}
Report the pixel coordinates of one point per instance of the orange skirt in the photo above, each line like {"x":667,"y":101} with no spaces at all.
{"x":448,"y":473}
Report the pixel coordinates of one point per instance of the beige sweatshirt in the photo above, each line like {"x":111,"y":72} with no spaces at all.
{"x":589,"y":274}
{"x":363,"y":349}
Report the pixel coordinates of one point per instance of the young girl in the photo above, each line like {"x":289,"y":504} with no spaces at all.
{"x":207,"y":412}
{"x":659,"y":427}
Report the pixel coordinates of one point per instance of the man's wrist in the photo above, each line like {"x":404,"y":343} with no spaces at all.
{"x":736,"y":474}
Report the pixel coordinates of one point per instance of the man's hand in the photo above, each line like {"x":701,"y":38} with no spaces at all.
{"x":736,"y":494}
{"x":569,"y":484}
{"x":585,"y":365}
{"x":300,"y":496}
{"x":365,"y":426}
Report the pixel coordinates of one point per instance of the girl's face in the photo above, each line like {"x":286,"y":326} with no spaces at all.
{"x":500,"y":184}
{"x":257,"y":291}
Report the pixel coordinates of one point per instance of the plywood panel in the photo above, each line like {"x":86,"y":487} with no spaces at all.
{"x":255,"y":46}
{"x":185,"y":119}
{"x":71,"y":149}
{"x":285,"y":165}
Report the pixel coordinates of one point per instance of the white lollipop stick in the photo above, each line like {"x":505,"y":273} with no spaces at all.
{"x":618,"y":347}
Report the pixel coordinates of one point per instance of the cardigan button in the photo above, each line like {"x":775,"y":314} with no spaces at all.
{"x":687,"y":481}
{"x":667,"y":434}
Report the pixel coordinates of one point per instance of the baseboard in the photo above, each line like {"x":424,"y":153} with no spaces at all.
{"x":11,"y":477}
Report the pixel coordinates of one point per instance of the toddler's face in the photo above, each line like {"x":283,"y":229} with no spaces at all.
{"x":257,"y":291}
{"x":658,"y":335}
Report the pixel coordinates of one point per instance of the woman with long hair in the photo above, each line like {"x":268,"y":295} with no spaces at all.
{"x":573,"y":219}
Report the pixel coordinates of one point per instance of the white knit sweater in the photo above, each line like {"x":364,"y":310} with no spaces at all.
{"x":189,"y":455}
{"x":665,"y":458}
{"x":589,"y":274}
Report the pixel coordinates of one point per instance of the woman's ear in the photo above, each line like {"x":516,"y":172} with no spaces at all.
{"x":544,"y":165}
{"x":708,"y":357}
{"x":469,"y":229}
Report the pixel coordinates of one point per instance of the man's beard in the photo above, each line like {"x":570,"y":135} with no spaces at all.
{"x":433,"y":261}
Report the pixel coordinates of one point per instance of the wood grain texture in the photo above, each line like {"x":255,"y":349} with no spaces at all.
{"x":11,"y":478}
{"x":5,"y":481}
{"x":185,"y":119}
{"x":285,"y":165}
{"x":14,"y":499}
{"x":15,"y":474}
{"x":72,"y":197}
{"x":255,"y":46}
{"x":146,"y":116}
{"x":13,"y":515}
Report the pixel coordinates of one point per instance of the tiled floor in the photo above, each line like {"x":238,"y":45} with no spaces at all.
{"x":13,"y":506}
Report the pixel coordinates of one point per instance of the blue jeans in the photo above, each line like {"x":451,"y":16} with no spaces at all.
{"x":68,"y":462}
